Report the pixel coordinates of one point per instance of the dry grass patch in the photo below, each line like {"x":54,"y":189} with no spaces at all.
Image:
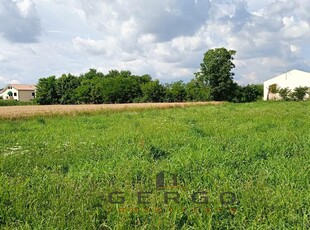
{"x":13,"y":112}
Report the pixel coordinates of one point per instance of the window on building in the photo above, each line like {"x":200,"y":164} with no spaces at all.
{"x":33,"y":94}
{"x":15,"y":94}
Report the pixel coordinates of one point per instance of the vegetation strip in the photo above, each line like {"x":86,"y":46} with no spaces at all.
{"x":14,"y":112}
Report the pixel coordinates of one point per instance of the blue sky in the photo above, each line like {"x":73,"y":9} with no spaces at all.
{"x":166,"y":39}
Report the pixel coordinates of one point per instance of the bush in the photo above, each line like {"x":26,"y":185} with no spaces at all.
{"x":248,"y":93}
{"x":14,"y":102}
{"x":300,"y":93}
{"x":197,"y":91}
{"x":285,"y":93}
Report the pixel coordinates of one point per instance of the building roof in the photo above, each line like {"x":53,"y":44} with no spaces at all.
{"x":23,"y":86}
{"x":291,"y":75}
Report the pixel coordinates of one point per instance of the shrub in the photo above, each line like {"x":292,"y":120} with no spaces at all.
{"x":285,"y":93}
{"x":248,"y":93}
{"x":300,"y":93}
{"x":14,"y":102}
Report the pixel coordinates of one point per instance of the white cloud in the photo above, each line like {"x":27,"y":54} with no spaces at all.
{"x":25,"y":7}
{"x":295,"y":48}
{"x":15,"y":81}
{"x":4,"y":81}
{"x":166,"y":39}
{"x":189,"y":43}
{"x":146,"y":39}
{"x":129,"y":28}
{"x":2,"y":58}
{"x":19,"y":21}
{"x":165,"y":19}
{"x":295,"y":29}
{"x":90,"y":46}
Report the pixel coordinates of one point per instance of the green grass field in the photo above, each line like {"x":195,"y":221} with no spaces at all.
{"x":60,"y":172}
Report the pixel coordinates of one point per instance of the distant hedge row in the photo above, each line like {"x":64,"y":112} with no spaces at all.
{"x":14,"y":102}
{"x":124,"y":87}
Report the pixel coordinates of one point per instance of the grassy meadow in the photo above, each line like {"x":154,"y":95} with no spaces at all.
{"x":58,"y":172}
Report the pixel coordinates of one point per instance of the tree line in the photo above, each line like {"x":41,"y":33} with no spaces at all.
{"x":94,"y":87}
{"x":214,"y":81}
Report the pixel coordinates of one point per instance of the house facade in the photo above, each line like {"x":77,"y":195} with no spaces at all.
{"x":19,"y":92}
{"x":292,"y":79}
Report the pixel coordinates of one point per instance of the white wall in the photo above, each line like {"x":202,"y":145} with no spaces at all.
{"x":6,"y":96}
{"x":291,"y":79}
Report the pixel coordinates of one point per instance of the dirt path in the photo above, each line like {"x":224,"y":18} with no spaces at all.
{"x":14,"y":112}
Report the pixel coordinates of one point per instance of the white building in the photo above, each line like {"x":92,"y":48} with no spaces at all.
{"x":292,"y":79}
{"x":19,"y":92}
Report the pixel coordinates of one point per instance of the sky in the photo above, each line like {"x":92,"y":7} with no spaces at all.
{"x":166,"y":39}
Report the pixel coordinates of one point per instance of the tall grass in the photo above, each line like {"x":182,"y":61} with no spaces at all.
{"x":14,"y":102}
{"x":57,"y":172}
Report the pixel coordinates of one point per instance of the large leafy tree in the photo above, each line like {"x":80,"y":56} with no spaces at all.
{"x":121,"y":89}
{"x":91,"y":74}
{"x":66,"y":88}
{"x":216,"y":73}
{"x":46,"y":93}
{"x":153,"y":91}
{"x":197,"y":91}
{"x":248,"y":93}
{"x":176,"y":92}
{"x":90,"y":87}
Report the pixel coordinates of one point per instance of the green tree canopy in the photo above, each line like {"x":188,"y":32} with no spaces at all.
{"x":66,"y":88}
{"x":197,"y":91}
{"x":213,"y":82}
{"x":248,"y":93}
{"x":46,"y":93}
{"x":216,"y":73}
{"x":153,"y":91}
{"x":176,"y":91}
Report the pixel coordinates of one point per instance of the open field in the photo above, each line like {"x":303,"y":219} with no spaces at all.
{"x":34,"y":110}
{"x":67,"y":172}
